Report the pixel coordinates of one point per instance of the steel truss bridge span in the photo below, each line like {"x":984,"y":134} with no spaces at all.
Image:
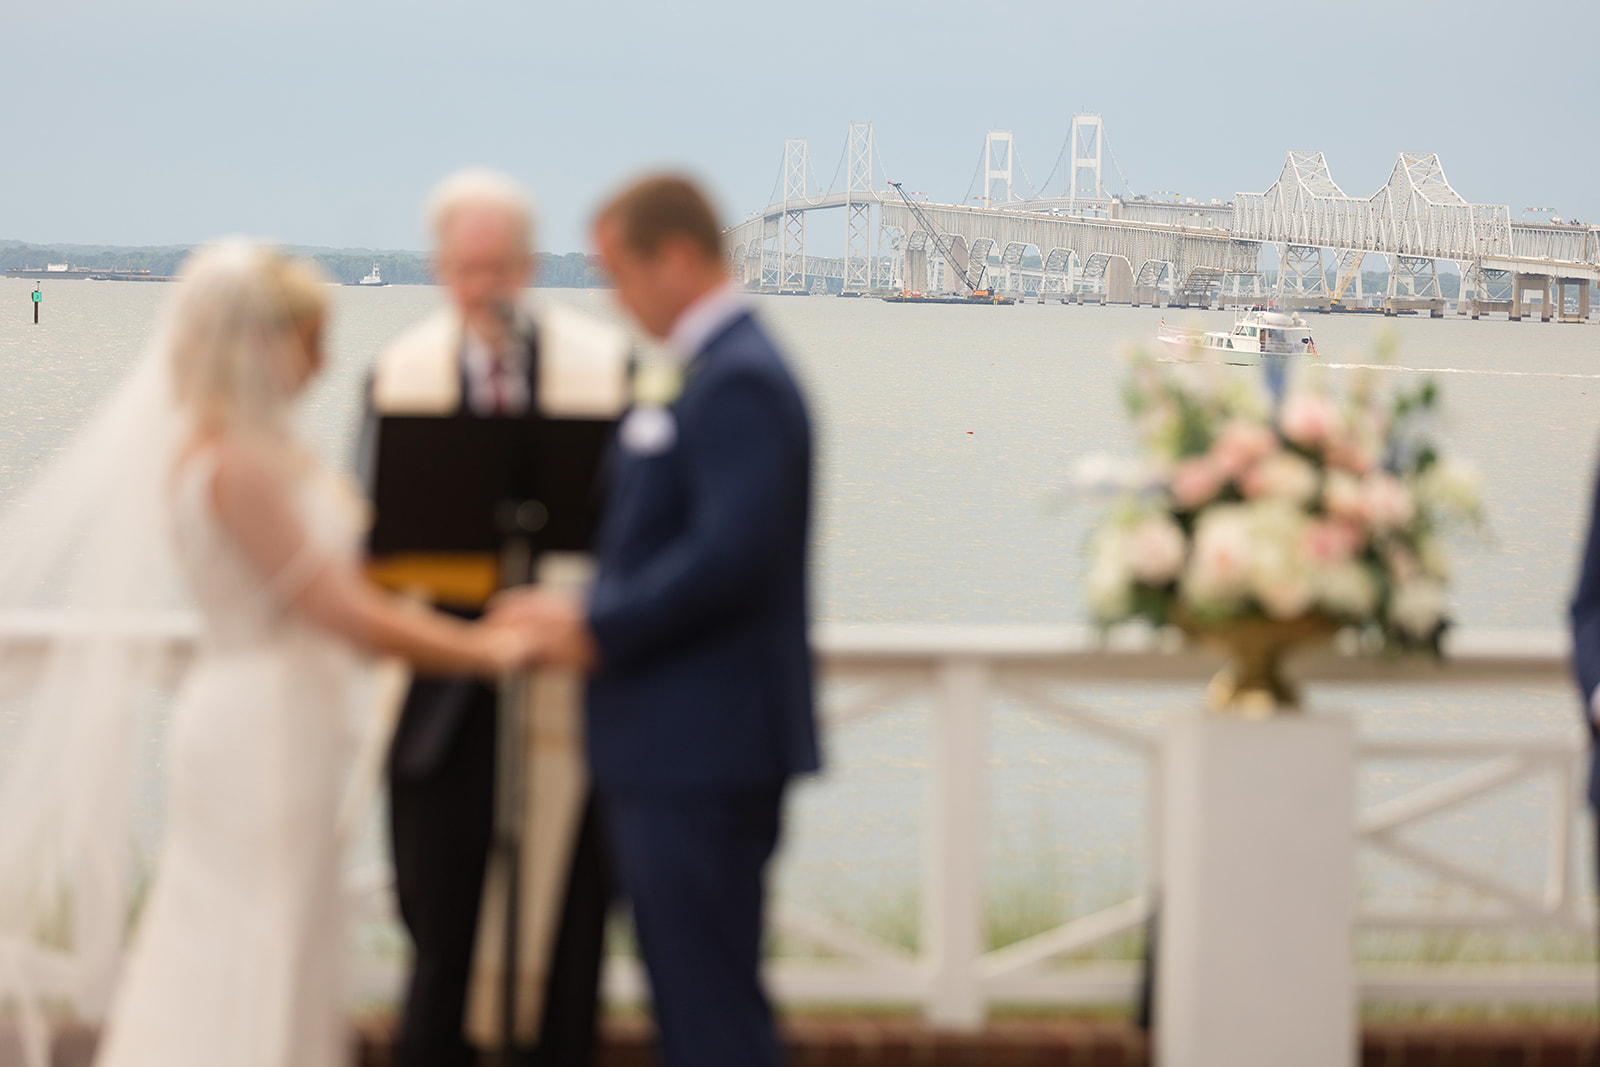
{"x":1125,"y":249}
{"x":1416,"y":214}
{"x":1194,"y":258}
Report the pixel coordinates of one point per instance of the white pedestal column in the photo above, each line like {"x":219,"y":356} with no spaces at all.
{"x":1258,"y":871}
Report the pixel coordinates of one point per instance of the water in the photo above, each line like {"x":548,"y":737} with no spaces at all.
{"x":945,"y":435}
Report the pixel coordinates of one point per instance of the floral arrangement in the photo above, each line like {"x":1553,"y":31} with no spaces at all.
{"x":1324,"y":507}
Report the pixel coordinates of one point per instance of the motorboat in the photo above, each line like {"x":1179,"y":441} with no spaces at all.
{"x":1256,"y":335}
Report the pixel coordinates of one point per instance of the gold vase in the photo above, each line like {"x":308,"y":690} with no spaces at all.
{"x":1252,"y":685}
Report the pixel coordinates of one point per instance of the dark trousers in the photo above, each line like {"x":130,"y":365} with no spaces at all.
{"x":693,"y":865}
{"x":441,"y":824}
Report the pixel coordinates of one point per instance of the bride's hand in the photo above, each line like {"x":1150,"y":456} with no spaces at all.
{"x":510,"y":644}
{"x":559,"y":622}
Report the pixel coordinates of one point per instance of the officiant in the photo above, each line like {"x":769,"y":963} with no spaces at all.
{"x":485,"y":357}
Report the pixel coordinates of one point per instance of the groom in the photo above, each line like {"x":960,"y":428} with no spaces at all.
{"x":700,"y":699}
{"x":478,"y":359}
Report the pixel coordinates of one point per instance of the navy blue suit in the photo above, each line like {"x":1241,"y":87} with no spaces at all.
{"x":1586,"y":650}
{"x":701,"y":709}
{"x":1586,"y":638}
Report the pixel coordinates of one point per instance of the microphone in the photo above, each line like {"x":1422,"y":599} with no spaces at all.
{"x":516,"y":325}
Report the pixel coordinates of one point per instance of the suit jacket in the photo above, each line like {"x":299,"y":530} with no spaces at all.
{"x":435,"y":706}
{"x":699,"y":608}
{"x":1585,"y":616}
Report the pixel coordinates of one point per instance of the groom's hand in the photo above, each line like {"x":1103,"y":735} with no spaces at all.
{"x":561,"y":623}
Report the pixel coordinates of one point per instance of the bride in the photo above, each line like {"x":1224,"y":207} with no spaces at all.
{"x":191,"y":486}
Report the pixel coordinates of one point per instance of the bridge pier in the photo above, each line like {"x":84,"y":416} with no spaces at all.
{"x":1522,"y":284}
{"x":917,"y":269}
{"x":1561,"y":286}
{"x":1119,"y":282}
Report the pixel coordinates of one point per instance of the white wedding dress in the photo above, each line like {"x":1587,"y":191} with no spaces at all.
{"x":236,"y":959}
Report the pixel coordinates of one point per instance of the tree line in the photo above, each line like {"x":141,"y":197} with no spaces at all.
{"x":572,"y":270}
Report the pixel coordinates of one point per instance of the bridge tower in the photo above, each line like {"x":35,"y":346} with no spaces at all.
{"x":858,"y":257}
{"x":792,"y":275}
{"x":1087,"y":142}
{"x":997,"y":164}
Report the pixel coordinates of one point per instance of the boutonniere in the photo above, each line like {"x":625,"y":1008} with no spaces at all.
{"x":658,"y":384}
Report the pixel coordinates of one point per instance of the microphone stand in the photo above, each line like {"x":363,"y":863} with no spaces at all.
{"x":519,"y":521}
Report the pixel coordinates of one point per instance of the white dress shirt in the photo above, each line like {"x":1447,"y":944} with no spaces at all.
{"x":478,"y":361}
{"x":702,"y":320}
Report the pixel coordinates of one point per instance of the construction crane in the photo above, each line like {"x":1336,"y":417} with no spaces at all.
{"x":1349,"y":270}
{"x":946,"y":249}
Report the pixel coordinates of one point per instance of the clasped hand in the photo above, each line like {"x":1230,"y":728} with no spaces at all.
{"x":538,"y":628}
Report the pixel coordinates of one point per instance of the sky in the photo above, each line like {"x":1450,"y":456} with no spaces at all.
{"x":325,"y":123}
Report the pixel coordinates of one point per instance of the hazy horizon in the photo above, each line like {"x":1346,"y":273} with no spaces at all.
{"x":325,"y":125}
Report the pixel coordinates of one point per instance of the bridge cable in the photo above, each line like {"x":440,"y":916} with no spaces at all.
{"x":1017,"y":158}
{"x":973,"y":184}
{"x":1059,"y":157}
{"x":1127,"y":187}
{"x":777,"y":181}
{"x":836,"y":169}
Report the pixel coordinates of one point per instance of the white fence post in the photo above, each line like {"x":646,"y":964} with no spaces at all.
{"x":952,"y":870}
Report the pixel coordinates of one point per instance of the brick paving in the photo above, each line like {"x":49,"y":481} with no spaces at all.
{"x":851,"y":1041}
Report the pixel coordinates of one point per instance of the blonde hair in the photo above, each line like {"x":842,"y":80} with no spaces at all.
{"x":481,"y":187}
{"x":230,"y":330}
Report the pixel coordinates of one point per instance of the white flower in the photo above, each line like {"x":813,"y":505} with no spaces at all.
{"x":1417,"y":607}
{"x":1454,"y":486}
{"x":1342,"y":497}
{"x":1280,"y":574}
{"x":1219,"y":567}
{"x":1155,"y":551}
{"x":1283,"y":475}
{"x":648,"y":430}
{"x":1109,"y":587}
{"x":1432,"y":558}
{"x":1101,"y":473}
{"x":1347,"y":589}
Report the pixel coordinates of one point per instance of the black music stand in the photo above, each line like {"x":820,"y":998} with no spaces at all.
{"x":465,"y":506}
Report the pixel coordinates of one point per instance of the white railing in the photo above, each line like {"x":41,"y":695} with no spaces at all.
{"x":964,"y":671}
{"x":960,"y":674}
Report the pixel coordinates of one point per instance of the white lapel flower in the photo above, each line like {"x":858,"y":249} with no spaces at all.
{"x":648,"y":430}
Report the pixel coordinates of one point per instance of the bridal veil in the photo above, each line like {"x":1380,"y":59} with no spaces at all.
{"x":91,"y":605}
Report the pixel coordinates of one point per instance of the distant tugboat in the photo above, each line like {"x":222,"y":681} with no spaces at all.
{"x":374,"y":278}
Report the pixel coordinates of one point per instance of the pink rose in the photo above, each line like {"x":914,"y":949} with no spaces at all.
{"x":1240,"y":444}
{"x":1331,"y":542}
{"x":1344,"y":450}
{"x":1195,"y":482}
{"x":1308,"y":419}
{"x":1387,"y":502}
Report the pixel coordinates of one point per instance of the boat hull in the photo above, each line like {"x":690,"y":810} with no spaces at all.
{"x":1190,"y":350}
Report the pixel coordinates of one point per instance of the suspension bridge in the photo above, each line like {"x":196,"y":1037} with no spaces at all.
{"x":1090,"y":242}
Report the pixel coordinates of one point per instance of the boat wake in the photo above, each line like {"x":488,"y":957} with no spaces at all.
{"x":1398,"y":369}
